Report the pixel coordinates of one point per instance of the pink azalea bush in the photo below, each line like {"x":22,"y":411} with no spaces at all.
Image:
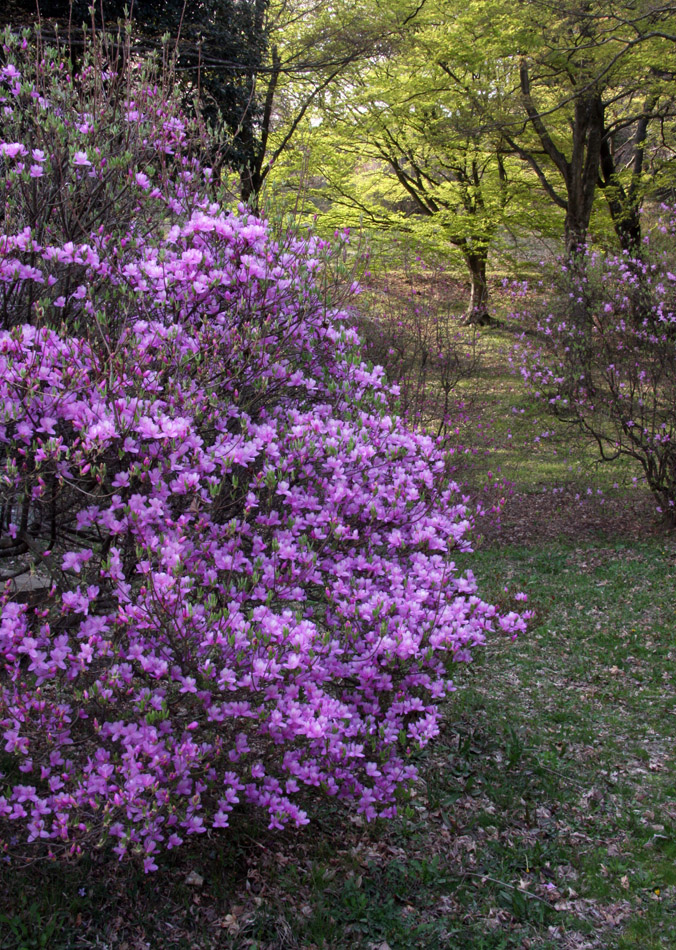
{"x":605,"y":360}
{"x":105,"y":152}
{"x":240,"y":559}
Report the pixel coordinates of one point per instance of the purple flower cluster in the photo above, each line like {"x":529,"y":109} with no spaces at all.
{"x":235,"y":577}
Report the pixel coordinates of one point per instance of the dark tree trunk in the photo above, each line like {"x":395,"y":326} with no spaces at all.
{"x":477,"y":310}
{"x":628,"y":230}
{"x":250,"y":187}
{"x":253,"y":176}
{"x":623,"y":210}
{"x":582,"y":171}
{"x":624,"y":204}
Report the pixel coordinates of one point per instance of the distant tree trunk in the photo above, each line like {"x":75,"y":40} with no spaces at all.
{"x":477,"y":310}
{"x":253,"y":176}
{"x":623,"y":211}
{"x":627,"y":224}
{"x":624,"y":204}
{"x":580,"y":172}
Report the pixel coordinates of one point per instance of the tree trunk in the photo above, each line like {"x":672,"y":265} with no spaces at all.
{"x":628,"y":230}
{"x":250,"y":186}
{"x":575,"y":231}
{"x":582,"y":171}
{"x":253,"y":176}
{"x":477,"y":310}
{"x":624,"y":210}
{"x":624,"y":204}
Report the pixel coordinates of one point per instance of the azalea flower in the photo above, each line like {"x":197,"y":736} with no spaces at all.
{"x":12,"y":149}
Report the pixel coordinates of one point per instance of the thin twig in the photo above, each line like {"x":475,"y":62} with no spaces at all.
{"x":511,"y":887}
{"x":566,"y":778}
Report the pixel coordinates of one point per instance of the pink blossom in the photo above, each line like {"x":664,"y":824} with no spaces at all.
{"x":73,"y":560}
{"x":12,"y":149}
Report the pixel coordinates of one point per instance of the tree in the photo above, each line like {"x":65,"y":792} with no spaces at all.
{"x":406,"y":150}
{"x":589,"y":86}
{"x":314,"y":49}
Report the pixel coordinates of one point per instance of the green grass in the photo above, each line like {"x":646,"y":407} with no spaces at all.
{"x":526,"y":456}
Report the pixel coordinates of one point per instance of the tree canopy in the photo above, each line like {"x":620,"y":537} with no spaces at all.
{"x":458,"y":122}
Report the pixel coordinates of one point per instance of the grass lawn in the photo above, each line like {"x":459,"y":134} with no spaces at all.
{"x":545,"y":813}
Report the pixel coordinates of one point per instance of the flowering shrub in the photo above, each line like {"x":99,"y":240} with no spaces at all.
{"x":606,"y":360}
{"x":105,"y":152}
{"x":230,"y":566}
